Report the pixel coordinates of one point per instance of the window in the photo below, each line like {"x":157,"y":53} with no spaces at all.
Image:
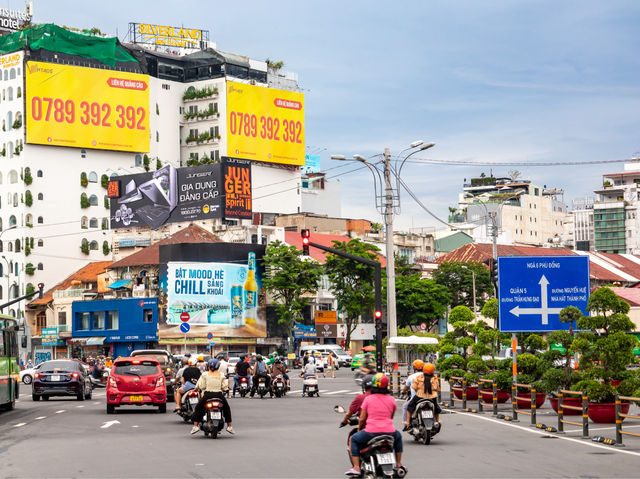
{"x":166,"y":86}
{"x":17,"y":248}
{"x":40,"y":267}
{"x":138,"y":160}
{"x":15,"y":199}
{"x":18,"y":92}
{"x":40,"y":196}
{"x":82,"y":321}
{"x":40,"y":220}
{"x":39,"y":173}
{"x":112,"y":319}
{"x":10,"y":248}
{"x":105,"y":223}
{"x":93,"y":200}
{"x":93,"y":177}
{"x":93,"y":245}
{"x":13,"y":174}
{"x":147,"y":315}
{"x":1,"y":248}
{"x":29,"y":219}
{"x":93,"y":223}
{"x":83,"y":153}
{"x":10,"y":95}
{"x":12,"y":74}
{"x":41,"y":320}
{"x":83,"y":222}
{"x":40,"y":242}
{"x":98,"y":320}
{"x":12,"y":220}
{"x":6,"y":75}
{"x":62,"y":318}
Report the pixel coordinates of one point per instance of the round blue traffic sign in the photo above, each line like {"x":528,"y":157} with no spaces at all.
{"x":184,"y":327}
{"x":210,"y":336}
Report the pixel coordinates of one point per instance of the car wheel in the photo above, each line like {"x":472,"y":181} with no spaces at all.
{"x":35,"y":397}
{"x":110,"y":408}
{"x":80,"y":396}
{"x":90,"y":395}
{"x":26,"y":379}
{"x":162,"y":408}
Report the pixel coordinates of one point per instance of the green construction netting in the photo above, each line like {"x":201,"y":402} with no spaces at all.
{"x":56,"y":39}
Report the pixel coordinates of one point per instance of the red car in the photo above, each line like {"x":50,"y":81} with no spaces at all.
{"x":136,"y":381}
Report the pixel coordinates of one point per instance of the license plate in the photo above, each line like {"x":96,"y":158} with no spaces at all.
{"x":55,"y":378}
{"x":311,"y":388}
{"x":427,"y":414}
{"x":136,"y":398}
{"x":193,"y":400}
{"x":244,"y":385}
{"x":216,"y":415}
{"x":386,"y":458}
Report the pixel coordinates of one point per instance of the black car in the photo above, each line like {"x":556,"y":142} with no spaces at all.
{"x":61,"y":377}
{"x":167,"y":364}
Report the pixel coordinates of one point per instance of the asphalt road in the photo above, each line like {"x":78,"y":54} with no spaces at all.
{"x":290,"y":438}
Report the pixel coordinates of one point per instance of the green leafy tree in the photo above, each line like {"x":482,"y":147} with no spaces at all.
{"x":352,"y":283}
{"x":459,"y":282}
{"x":419,"y":301}
{"x":105,"y":248}
{"x":84,"y":246}
{"x":104,"y":181}
{"x":290,"y":279}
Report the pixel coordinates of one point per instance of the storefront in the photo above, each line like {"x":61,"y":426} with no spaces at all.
{"x":114,"y":327}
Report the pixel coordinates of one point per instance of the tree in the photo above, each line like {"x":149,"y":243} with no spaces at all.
{"x":420,"y":301}
{"x":459,"y":282}
{"x":289,"y":278}
{"x":352,"y":283}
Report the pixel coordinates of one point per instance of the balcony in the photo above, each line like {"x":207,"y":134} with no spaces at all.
{"x":69,"y":293}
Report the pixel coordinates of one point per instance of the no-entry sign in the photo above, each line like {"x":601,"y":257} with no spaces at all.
{"x":184,"y":317}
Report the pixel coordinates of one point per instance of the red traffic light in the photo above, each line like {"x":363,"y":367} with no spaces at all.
{"x":305,"y":241}
{"x":378,"y":314}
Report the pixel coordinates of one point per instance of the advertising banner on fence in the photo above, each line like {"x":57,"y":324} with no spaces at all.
{"x":265,"y":124}
{"x":83,"y":107}
{"x":174,"y":195}
{"x":223,"y":299}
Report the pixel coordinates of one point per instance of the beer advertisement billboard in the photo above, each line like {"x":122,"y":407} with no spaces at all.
{"x":67,"y":105}
{"x":224,"y":299}
{"x":265,"y":124}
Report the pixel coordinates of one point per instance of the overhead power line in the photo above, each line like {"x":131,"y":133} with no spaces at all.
{"x":506,"y":163}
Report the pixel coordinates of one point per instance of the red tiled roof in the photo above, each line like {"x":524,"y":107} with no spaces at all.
{"x":86,"y":274}
{"x":630,"y":295}
{"x":151,"y":254}
{"x":293,"y":238}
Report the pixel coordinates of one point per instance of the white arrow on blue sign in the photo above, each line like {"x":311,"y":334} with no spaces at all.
{"x":184,"y":327}
{"x":534,"y":289}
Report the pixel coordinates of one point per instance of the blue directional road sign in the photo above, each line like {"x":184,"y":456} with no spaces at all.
{"x":533,"y":290}
{"x":184,"y":327}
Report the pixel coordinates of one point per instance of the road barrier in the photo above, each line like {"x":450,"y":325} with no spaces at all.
{"x":452,"y":398}
{"x":531,"y":400}
{"x":620,"y":416}
{"x":584,"y":408}
{"x":494,"y":394}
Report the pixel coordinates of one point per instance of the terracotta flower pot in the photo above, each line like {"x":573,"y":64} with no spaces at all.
{"x":540,"y":397}
{"x":503,"y":396}
{"x":605,"y":413}
{"x":567,"y":401}
{"x":472,"y":392}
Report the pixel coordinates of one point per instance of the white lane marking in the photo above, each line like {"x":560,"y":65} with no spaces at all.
{"x":60,"y":411}
{"x":94,"y":403}
{"x":323,"y":391}
{"x":199,"y":464}
{"x":338,"y":392}
{"x":135,"y":426}
{"x":109,"y":424}
{"x":79,"y":406}
{"x":355,"y":392}
{"x":19,"y":424}
{"x":544,"y":433}
{"x":41,"y":417}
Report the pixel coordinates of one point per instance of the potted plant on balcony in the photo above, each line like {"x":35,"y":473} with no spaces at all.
{"x":606,"y":351}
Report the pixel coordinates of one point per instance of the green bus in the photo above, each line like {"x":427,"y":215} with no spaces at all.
{"x":9,"y":364}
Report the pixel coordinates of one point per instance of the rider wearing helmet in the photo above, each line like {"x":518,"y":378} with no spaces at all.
{"x":243,"y":369}
{"x":201,"y":364}
{"x":279,"y":368}
{"x":426,"y":386}
{"x":212,"y":384}
{"x":418,"y":364}
{"x":224,"y":365}
{"x":260,"y":369}
{"x":187,"y":376}
{"x":376,"y":418}
{"x":354,"y":407}
{"x":368,"y":364}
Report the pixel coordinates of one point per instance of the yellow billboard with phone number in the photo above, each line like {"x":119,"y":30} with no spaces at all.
{"x":86,"y":108}
{"x":265,"y":124}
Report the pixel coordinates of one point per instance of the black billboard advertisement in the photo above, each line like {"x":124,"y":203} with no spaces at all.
{"x":174,"y":195}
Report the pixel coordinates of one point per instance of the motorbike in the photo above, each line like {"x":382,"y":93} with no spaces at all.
{"x":311,"y":386}
{"x":261,"y":387}
{"x":213,"y":420}
{"x":188,"y":402}
{"x":243,"y":386}
{"x":423,"y":424}
{"x":279,"y":386}
{"x":378,"y":458}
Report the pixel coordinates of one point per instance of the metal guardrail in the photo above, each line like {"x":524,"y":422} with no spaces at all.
{"x":620,"y":416}
{"x":531,"y":400}
{"x":584,"y":408}
{"x":494,"y":394}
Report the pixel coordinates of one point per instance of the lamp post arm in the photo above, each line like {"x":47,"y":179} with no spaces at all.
{"x":377,"y":180}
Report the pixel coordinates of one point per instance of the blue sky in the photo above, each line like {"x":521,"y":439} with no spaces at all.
{"x":505,"y":81}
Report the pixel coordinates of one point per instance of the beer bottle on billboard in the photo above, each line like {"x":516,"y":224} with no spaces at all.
{"x":237,"y":306}
{"x":251,"y":292}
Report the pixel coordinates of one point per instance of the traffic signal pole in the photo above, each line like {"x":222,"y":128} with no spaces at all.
{"x":377,"y":283}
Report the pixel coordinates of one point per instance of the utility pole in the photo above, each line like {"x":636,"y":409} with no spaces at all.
{"x":392,"y":353}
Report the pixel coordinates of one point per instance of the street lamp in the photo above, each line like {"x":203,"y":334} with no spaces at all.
{"x":386,"y":204}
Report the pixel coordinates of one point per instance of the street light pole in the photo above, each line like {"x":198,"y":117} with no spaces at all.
{"x":392,"y":325}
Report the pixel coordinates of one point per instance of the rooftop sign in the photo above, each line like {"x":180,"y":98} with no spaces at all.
{"x":167,"y":36}
{"x":13,"y":19}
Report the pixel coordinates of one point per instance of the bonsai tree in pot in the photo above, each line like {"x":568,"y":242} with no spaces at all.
{"x":606,"y":351}
{"x":530,"y":370}
{"x":502,"y":376}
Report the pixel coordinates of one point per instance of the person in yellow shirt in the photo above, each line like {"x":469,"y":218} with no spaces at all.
{"x":426,"y":386}
{"x":108,"y":363}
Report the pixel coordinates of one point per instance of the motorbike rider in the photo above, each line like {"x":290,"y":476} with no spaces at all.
{"x":212,"y":384}
{"x":418,"y":364}
{"x":201,"y":364}
{"x":354,"y":408}
{"x":260,"y":369}
{"x":279,"y":368}
{"x":188,"y":379}
{"x":376,"y":418}
{"x":243,"y":369}
{"x":309,"y":371}
{"x":426,"y":386}
{"x":368,"y":365}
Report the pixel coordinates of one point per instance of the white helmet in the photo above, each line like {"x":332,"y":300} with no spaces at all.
{"x":193,"y":361}
{"x":312,"y":360}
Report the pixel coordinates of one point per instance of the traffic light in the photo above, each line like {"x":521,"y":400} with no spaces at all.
{"x":494,"y":271}
{"x":378,"y":316}
{"x":306,"y":235}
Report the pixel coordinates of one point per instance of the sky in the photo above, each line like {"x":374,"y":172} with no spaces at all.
{"x":494,"y":81}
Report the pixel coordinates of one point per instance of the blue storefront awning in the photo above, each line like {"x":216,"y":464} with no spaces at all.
{"x":95,"y":341}
{"x":119,"y":284}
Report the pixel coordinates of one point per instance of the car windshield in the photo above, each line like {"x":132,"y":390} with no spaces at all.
{"x":59,"y":367}
{"x":137,"y":368}
{"x":163,"y":359}
{"x":233,"y":360}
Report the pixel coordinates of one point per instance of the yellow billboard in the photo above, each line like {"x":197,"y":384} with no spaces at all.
{"x":265,"y":124}
{"x":86,"y":108}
